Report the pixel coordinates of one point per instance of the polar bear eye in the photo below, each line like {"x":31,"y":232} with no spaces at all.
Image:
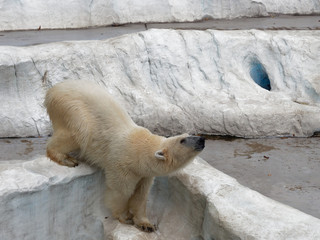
{"x":182,"y":141}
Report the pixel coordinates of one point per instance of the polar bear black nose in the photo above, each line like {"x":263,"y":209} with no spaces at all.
{"x":197,"y":143}
{"x":200,"y":143}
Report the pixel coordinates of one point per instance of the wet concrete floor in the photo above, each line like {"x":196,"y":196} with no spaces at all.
{"x":34,"y":37}
{"x":286,"y":170}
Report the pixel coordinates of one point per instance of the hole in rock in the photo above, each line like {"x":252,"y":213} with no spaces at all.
{"x":259,"y":75}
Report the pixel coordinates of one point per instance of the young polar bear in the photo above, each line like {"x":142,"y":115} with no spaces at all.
{"x":86,"y":118}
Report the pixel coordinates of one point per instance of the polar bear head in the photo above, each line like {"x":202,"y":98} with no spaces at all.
{"x":176,"y":152}
{"x":153,"y":155}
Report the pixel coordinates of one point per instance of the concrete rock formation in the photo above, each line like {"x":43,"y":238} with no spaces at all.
{"x":213,"y":82}
{"x":198,"y":202}
{"x":51,"y":14}
{"x":42,"y":200}
{"x":174,"y":81}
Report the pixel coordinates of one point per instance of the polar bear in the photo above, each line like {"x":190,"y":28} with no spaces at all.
{"x":86,"y":118}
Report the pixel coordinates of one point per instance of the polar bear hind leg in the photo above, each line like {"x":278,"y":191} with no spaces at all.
{"x":58,"y":147}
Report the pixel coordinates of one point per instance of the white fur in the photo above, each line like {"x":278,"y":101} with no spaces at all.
{"x":86,"y":118}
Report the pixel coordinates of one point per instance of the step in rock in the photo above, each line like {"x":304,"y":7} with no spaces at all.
{"x":173,"y":81}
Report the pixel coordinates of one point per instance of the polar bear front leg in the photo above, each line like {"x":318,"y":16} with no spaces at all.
{"x":117,"y":202}
{"x":117,"y":198}
{"x":138,"y":204}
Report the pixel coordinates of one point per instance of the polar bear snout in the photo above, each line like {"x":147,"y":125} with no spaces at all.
{"x":197,"y":143}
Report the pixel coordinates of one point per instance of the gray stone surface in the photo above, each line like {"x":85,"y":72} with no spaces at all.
{"x":34,"y":37}
{"x":286,"y":170}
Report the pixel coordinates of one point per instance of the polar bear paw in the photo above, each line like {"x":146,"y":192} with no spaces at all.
{"x":71,"y":162}
{"x":126,"y":218}
{"x":62,"y":159}
{"x":146,"y":227}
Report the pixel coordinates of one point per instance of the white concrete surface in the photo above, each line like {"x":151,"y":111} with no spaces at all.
{"x":41,"y":200}
{"x":233,"y":211}
{"x":175,"y":81}
{"x":237,"y":212}
{"x":201,"y":202}
{"x":53,"y":14}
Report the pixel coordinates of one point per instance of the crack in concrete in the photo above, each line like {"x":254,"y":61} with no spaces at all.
{"x":16,"y":80}
{"x":152,"y":76}
{"x":36,"y":126}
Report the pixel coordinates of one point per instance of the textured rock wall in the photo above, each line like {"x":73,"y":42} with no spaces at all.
{"x":42,"y":200}
{"x":201,"y":202}
{"x":23,"y":14}
{"x":175,"y":81}
{"x":233,"y":211}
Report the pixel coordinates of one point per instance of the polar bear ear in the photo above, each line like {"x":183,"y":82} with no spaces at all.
{"x":160,"y":155}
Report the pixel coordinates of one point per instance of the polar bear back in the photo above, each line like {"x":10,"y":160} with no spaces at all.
{"x":80,"y":101}
{"x":85,"y":109}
